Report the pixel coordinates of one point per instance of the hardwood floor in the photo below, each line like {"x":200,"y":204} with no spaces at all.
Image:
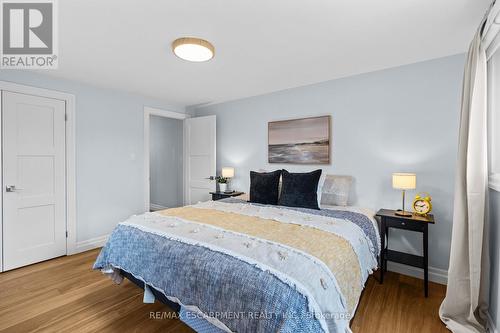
{"x":399,"y":306}
{"x":65,"y":295}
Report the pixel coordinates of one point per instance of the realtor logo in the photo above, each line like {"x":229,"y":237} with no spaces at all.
{"x":28,"y":34}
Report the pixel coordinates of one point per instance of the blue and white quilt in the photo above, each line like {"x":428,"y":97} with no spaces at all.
{"x":240,"y":267}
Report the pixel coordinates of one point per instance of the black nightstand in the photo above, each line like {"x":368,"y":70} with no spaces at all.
{"x":388,"y":219}
{"x":224,"y":195}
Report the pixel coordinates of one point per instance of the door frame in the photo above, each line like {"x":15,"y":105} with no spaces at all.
{"x":69,"y":100}
{"x":148,"y":112}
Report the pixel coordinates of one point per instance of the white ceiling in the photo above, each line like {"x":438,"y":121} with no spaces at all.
{"x":261,"y":45}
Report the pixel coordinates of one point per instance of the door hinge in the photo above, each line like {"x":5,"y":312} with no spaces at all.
{"x":66,"y":234}
{"x":65,"y":117}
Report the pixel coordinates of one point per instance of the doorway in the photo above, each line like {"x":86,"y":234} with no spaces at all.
{"x":164,"y":158}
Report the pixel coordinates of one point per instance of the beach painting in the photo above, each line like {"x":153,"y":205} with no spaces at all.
{"x":299,"y":141}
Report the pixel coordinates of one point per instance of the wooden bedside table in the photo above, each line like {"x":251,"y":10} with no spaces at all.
{"x":388,"y":219}
{"x":223,"y":195}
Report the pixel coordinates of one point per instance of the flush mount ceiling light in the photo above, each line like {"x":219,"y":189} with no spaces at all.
{"x":193,"y":49}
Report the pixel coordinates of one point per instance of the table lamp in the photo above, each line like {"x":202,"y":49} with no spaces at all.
{"x":228,"y":172}
{"x":404,"y":181}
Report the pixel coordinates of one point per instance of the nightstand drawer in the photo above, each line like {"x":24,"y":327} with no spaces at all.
{"x":224,"y":195}
{"x":218,"y":196}
{"x":404,"y":224}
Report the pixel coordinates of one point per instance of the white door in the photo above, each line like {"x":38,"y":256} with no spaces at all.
{"x":200,"y":158}
{"x":34,"y":189}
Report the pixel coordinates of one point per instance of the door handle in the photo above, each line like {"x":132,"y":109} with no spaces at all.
{"x":210,"y":178}
{"x":12,"y":188}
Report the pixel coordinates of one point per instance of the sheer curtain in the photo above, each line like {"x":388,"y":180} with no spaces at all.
{"x":466,"y":303}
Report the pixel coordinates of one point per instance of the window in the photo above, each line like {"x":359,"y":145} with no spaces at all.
{"x":494,"y":119}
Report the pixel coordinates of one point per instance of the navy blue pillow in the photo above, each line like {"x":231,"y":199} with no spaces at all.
{"x":264,"y":187}
{"x":300,"y":189}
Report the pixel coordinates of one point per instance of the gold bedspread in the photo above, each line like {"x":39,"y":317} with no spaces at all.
{"x":331,"y":249}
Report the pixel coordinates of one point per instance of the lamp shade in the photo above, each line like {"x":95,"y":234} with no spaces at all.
{"x":227,"y":172}
{"x":404,"y":181}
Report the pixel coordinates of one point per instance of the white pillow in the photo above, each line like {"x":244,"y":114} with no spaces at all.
{"x":336,"y":190}
{"x":321,"y":183}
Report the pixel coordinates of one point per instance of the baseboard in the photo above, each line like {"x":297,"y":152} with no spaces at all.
{"x":91,"y":244}
{"x":435,"y":274}
{"x":154,"y":207}
{"x":491,"y":325}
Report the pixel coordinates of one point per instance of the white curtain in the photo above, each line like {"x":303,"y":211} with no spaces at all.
{"x":466,"y":303}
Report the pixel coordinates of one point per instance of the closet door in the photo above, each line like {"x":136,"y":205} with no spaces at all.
{"x":34,"y":189}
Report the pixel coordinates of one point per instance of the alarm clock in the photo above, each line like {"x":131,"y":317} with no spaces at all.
{"x":422,"y":204}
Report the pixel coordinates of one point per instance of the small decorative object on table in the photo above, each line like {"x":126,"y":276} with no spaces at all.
{"x":390,"y":219}
{"x":224,"y":195}
{"x":404,"y":181}
{"x":422,"y":204}
{"x":222,"y":182}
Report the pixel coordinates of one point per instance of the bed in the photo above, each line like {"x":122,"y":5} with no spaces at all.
{"x":235,"y":266}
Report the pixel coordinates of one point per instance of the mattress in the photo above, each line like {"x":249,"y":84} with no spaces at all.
{"x":242,"y":267}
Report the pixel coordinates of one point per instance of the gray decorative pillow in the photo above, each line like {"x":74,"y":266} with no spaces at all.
{"x":336,"y":190}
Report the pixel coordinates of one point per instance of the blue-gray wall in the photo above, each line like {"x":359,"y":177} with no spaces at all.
{"x":165,"y":150}
{"x":109,"y":151}
{"x":495,"y":256}
{"x":400,"y":119}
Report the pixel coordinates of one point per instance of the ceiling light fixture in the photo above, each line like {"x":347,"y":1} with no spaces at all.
{"x":193,"y":49}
